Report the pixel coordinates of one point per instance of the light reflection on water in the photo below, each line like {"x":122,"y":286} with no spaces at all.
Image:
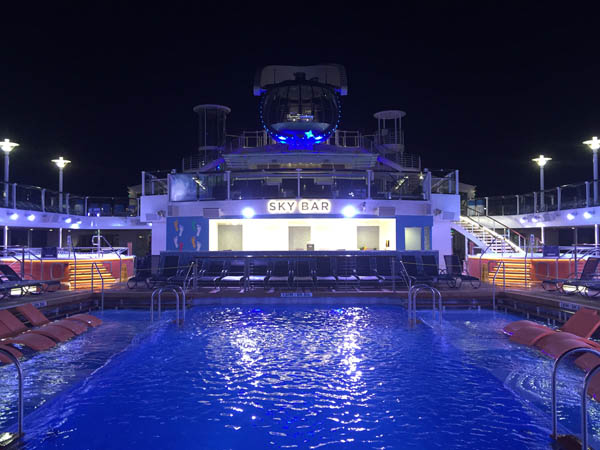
{"x":287,"y":377}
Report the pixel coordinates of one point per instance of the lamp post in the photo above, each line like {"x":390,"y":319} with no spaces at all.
{"x":6,"y":147}
{"x":541,"y":161}
{"x":594,"y":145}
{"x":61,"y":163}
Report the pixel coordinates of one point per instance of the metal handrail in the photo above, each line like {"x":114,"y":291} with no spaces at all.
{"x":586,"y":381}
{"x":20,"y":404}
{"x":412,"y":302}
{"x":494,"y":282}
{"x":95,"y":266}
{"x":172,"y":289}
{"x":102,"y":238}
{"x":478,"y":214}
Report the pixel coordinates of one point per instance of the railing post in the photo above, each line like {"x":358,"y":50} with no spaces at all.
{"x":558,"y":198}
{"x":369,"y":175}
{"x":535,"y":202}
{"x":143,"y":182}
{"x":14,"y":192}
{"x":517,"y":204}
{"x":43,"y":200}
{"x":457,"y":184}
{"x":228,"y":182}
{"x":487,"y":211}
{"x":85,"y":207}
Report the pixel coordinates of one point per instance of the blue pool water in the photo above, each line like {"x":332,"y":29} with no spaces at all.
{"x":295,"y":377}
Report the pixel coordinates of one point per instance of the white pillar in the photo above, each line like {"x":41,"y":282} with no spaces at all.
{"x":595,"y":177}
{"x":60,"y":243}
{"x":543,"y":240}
{"x":596,"y":234}
{"x":5,"y":237}
{"x":60,"y":189}
{"x":6,"y":164}
{"x":542,"y":188}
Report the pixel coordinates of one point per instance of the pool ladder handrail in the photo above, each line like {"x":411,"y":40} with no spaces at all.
{"x":20,"y":407}
{"x":173,"y":289}
{"x":494,"y":282}
{"x":586,"y":382}
{"x":412,"y":301}
{"x":95,"y":266}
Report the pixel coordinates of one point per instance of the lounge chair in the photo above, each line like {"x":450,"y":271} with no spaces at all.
{"x":416,"y":272}
{"x":34,"y":341}
{"x":587,"y":274}
{"x":167,"y":269}
{"x":235,"y":274}
{"x":384,"y":270}
{"x":430,"y":268}
{"x":258,"y":272}
{"x":322,"y":275}
{"x":5,"y":359}
{"x":143,"y":272}
{"x":345,"y":271}
{"x":37,"y":319}
{"x":302,"y":275}
{"x":575,"y":331}
{"x":454,"y":268}
{"x":55,"y":332}
{"x":214,"y":271}
{"x":365,"y":273}
{"x":280,"y":275}
{"x":14,"y":277}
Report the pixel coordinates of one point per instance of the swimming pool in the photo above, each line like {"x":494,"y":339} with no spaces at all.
{"x":307,"y":377}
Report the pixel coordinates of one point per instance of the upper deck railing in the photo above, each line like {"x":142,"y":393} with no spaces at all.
{"x":306,"y":183}
{"x":34,"y":198}
{"x":568,"y":196}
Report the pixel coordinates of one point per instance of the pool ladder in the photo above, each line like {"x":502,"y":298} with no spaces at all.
{"x":20,"y":407}
{"x":586,"y":383}
{"x":174,"y":290}
{"x":412,"y":302}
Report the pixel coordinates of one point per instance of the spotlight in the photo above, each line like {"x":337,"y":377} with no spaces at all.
{"x":248,"y":212}
{"x":570,"y":216}
{"x":31,"y":217}
{"x":68,"y":220}
{"x":14,"y":216}
{"x":523,"y":220}
{"x":587,"y":215}
{"x":349,"y":211}
{"x":534,"y":219}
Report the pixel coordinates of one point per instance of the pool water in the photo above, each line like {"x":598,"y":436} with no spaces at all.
{"x":303,"y":377}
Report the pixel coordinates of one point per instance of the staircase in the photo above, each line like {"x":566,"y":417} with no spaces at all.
{"x":518,"y":273}
{"x":485,"y":238}
{"x":84,"y":275}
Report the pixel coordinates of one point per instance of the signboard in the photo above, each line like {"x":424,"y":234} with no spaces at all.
{"x":550,"y":251}
{"x":302,"y":206}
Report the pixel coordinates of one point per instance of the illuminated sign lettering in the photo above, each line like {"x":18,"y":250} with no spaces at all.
{"x":302,"y":206}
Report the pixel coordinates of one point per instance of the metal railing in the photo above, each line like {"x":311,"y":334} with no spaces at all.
{"x":514,"y":237}
{"x":586,"y":382}
{"x":173,"y":289}
{"x":568,"y":196}
{"x":412,"y":302}
{"x":95,"y":266}
{"x":494,"y":282}
{"x":20,"y":401}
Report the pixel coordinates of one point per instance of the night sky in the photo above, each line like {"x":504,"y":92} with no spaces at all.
{"x":485,"y":88}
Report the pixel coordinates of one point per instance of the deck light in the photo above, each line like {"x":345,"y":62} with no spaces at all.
{"x":571,"y":216}
{"x":61,"y":163}
{"x":6,"y":147}
{"x":587,"y":215}
{"x":31,"y":217}
{"x":349,"y":211}
{"x":541,"y":161}
{"x":248,"y":212}
{"x":14,"y":216}
{"x":594,"y":145}
{"x":68,"y":220}
{"x":523,"y":220}
{"x":534,"y":219}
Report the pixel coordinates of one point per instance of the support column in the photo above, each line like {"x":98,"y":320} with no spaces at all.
{"x":596,"y":234}
{"x":542,"y":237}
{"x":60,"y":242}
{"x":5,"y":237}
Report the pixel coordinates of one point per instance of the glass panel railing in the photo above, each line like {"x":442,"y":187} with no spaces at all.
{"x":443,"y":182}
{"x":395,"y":186}
{"x":548,"y":200}
{"x":28,"y":197}
{"x":187,"y":187}
{"x":55,"y":201}
{"x":527,"y":203}
{"x":112,"y":206}
{"x":573,"y":196}
{"x":77,"y":205}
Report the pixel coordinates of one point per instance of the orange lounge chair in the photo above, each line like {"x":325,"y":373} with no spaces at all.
{"x":54,"y":332}
{"x":582,"y":324}
{"x":5,"y":359}
{"x":34,"y":341}
{"x":38,"y":319}
{"x":88,"y":319}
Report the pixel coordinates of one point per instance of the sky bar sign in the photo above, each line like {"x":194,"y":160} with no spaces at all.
{"x":302,"y":206}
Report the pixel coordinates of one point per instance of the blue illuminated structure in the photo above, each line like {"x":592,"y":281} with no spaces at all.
{"x":300,"y":112}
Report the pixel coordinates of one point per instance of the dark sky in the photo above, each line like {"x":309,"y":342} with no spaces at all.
{"x":485,"y":88}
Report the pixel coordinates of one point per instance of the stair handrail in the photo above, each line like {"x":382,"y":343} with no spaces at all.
{"x":502,"y":225}
{"x":102,"y":238}
{"x":586,"y":382}
{"x":20,"y":404}
{"x":95,"y":266}
{"x":412,"y":302}
{"x":159,"y":291}
{"x":506,"y":239}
